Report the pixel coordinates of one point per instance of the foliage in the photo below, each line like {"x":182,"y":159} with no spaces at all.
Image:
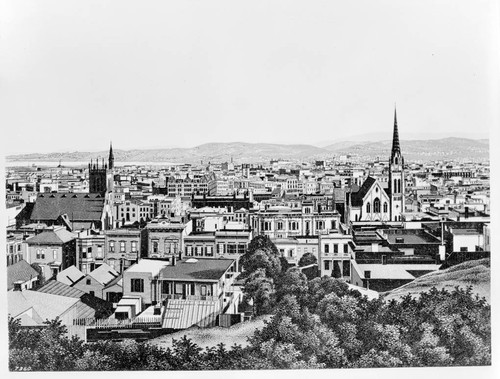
{"x":307,"y":259}
{"x":262,"y":253}
{"x":260,"y":288}
{"x":315,"y":324}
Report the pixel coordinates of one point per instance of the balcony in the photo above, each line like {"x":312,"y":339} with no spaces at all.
{"x":165,"y":296}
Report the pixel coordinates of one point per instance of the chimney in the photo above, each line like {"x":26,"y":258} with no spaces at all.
{"x":172,"y":260}
{"x":18,"y":285}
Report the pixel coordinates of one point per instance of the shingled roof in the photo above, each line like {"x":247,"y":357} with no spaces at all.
{"x":78,"y":207}
{"x":20,"y":271}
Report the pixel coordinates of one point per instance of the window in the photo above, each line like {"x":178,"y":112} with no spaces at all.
{"x":346,"y":249}
{"x":134,"y":246}
{"x":38,"y":255}
{"x":99,"y":251}
{"x":221,"y":248}
{"x":155,"y":247}
{"x":335,"y":248}
{"x":241,"y":248}
{"x":327,"y":248}
{"x":111,"y":246}
{"x":279,"y":225}
{"x":189,"y":251}
{"x":89,"y":282}
{"x":327,"y":265}
{"x":54,"y":254}
{"x":122,"y":246}
{"x":203,"y":290}
{"x":92,"y":293}
{"x":136,"y":285}
{"x":368,"y":208}
{"x":320,"y":225}
{"x":209,"y":251}
{"x":385,"y":207}
{"x":165,"y":287}
{"x":376,"y":205}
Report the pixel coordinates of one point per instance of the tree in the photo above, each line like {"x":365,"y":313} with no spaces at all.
{"x":336,"y":273}
{"x":307,"y":259}
{"x":292,"y":282}
{"x":261,"y":254}
{"x":260,"y":288}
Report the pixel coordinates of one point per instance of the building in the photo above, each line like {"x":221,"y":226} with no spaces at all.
{"x":53,"y":250}
{"x":122,"y":248}
{"x":96,"y":281}
{"x":164,"y":238}
{"x":21,"y":274}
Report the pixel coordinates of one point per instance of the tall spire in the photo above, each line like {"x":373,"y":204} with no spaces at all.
{"x":395,"y":137}
{"x":111,"y":159}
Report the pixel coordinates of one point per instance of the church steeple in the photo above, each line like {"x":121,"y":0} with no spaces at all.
{"x":111,"y":159}
{"x":396,"y":150}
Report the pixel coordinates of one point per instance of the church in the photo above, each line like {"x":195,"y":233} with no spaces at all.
{"x":374,"y":203}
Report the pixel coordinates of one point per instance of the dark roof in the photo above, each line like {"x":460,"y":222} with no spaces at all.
{"x":78,"y":207}
{"x":20,"y":271}
{"x":357,"y":197}
{"x":197,"y":269}
{"x":57,"y":288}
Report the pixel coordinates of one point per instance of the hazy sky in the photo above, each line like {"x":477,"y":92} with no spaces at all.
{"x":77,"y":74}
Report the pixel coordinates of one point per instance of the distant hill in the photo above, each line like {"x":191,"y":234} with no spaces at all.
{"x":423,"y":150}
{"x":471,"y":273}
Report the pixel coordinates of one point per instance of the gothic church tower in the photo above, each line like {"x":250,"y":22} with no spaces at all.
{"x":396,"y":176}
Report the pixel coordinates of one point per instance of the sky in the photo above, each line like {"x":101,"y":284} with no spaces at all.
{"x":75,"y":75}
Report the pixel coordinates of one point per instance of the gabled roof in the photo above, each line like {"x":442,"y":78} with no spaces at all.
{"x":70,"y":275}
{"x":357,"y":197}
{"x":52,"y":237}
{"x":78,"y":207}
{"x":20,"y":271}
{"x":104,"y":274}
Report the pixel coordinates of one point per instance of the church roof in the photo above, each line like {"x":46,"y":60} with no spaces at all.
{"x":357,"y":197}
{"x":78,"y":207}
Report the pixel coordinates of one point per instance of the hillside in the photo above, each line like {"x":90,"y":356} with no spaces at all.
{"x":471,"y":273}
{"x":236,"y":334}
{"x":418,"y":150}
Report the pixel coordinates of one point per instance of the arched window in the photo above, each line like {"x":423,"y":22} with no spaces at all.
{"x":367,"y":207}
{"x":385,"y":207}
{"x":376,"y":205}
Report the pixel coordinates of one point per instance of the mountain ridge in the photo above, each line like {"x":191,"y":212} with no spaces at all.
{"x":424,"y":150}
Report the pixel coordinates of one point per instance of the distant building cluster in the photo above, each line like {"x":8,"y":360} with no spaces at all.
{"x":164,"y":243}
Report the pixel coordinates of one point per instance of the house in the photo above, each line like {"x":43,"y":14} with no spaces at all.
{"x":122,"y":248}
{"x":21,"y":273}
{"x":95,"y":282}
{"x":53,"y":250}
{"x":139,"y":278}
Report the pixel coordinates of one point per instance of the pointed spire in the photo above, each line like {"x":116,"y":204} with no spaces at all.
{"x":111,"y":159}
{"x":395,"y":136}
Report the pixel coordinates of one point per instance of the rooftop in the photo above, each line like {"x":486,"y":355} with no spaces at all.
{"x":20,"y":271}
{"x":395,"y":271}
{"x":197,"y":269}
